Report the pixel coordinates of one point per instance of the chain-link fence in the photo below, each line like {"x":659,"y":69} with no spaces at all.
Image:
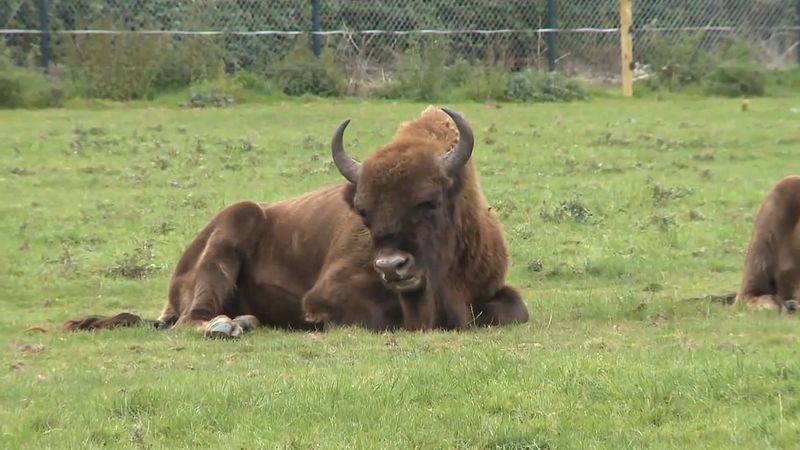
{"x":580,"y":37}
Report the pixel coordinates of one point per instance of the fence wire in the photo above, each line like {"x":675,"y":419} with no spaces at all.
{"x":369,"y":37}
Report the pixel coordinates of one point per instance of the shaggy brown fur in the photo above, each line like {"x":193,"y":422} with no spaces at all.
{"x":771,"y":276}
{"x":313,"y":261}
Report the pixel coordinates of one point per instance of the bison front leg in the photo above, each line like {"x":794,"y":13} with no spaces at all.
{"x":204,"y":288}
{"x":419,"y":311}
{"x":505,"y":307}
{"x":222,"y":326}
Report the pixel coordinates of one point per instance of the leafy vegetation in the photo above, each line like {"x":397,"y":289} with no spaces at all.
{"x":625,"y":220}
{"x":686,"y":62}
{"x":424,"y":75}
{"x":24,"y":88}
{"x":301,"y":73}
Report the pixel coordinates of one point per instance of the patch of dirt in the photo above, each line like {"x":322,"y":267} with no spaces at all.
{"x":31,"y":349}
{"x":659,"y":319}
{"x":725,"y":299}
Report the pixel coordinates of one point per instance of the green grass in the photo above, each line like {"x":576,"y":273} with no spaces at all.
{"x":617,"y":214}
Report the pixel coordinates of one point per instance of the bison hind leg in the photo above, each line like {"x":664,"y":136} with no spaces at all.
{"x":95,"y":322}
{"x":505,"y":307}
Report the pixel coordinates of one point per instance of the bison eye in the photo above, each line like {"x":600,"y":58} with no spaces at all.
{"x":428,"y":206}
{"x":363,"y":215}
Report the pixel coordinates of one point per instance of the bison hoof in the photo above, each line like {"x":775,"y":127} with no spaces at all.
{"x":223,"y":327}
{"x":316,"y":318}
{"x":247,"y":322}
{"x":791,"y":306}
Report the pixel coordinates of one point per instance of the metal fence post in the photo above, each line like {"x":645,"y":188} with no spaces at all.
{"x":551,"y":35}
{"x":316,"y":26}
{"x":44,"y":26}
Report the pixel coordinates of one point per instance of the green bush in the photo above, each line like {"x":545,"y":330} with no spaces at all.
{"x":10,"y":92}
{"x":25,"y":88}
{"x":736,"y":80}
{"x":677,"y":63}
{"x":129,"y":67}
{"x":534,"y":86}
{"x":737,"y":74}
{"x":300,"y":72}
{"x":422,"y":74}
{"x":486,"y":83}
{"x":115,"y":67}
{"x":188,"y":61}
{"x":786,"y":79}
{"x":684,"y":62}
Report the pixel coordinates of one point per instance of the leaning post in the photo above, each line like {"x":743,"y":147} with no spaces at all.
{"x":626,"y":45}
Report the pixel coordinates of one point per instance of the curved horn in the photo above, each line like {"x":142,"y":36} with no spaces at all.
{"x":456,"y":158}
{"x":348,"y":167}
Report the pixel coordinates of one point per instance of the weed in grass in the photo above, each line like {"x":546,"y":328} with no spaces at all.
{"x":137,"y":264}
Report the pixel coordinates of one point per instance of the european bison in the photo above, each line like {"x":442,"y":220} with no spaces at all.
{"x":771,"y":277}
{"x":409,"y":242}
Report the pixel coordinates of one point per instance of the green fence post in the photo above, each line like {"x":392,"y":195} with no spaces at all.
{"x":316,"y":26}
{"x":44,"y":26}
{"x":551,"y":35}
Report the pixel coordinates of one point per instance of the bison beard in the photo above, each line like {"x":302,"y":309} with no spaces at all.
{"x":410,"y":242}
{"x":771,"y":276}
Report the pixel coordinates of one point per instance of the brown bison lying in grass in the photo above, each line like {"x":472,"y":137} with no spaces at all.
{"x":771,"y":277}
{"x":408,"y":242}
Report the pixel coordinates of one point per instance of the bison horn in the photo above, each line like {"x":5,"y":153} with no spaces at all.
{"x":456,"y":158}
{"x":348,"y":167}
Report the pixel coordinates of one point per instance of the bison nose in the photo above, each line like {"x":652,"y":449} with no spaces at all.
{"x":392,"y":267}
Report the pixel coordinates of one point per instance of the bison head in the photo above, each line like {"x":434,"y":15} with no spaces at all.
{"x":406,"y":194}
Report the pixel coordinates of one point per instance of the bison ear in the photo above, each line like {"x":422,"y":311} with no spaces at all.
{"x":348,"y":194}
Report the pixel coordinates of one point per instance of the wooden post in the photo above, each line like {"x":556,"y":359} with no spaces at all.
{"x":626,"y":45}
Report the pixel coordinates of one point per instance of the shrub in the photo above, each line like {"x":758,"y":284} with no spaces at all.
{"x":684,"y":62}
{"x":301,"y":72}
{"x":116,"y":67}
{"x":25,"y":88}
{"x":533,"y":86}
{"x":735,"y":80}
{"x":10,"y":91}
{"x":422,"y":74}
{"x":129,"y":67}
{"x":486,"y":83}
{"x":188,"y":61}
{"x":737,"y":74}
{"x":678,"y":62}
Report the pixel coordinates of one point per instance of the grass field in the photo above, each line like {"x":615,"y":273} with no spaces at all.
{"x":620,"y":215}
